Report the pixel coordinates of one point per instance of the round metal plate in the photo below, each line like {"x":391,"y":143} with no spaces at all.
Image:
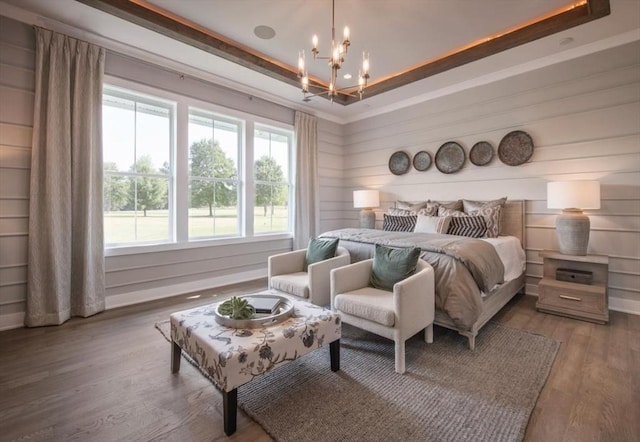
{"x":515,"y":148}
{"x":283,"y":312}
{"x":450,"y":157}
{"x":422,"y":161}
{"x":481,"y":153}
{"x":399,"y":163}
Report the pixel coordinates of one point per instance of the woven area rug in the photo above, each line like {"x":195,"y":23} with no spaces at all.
{"x":449,"y":393}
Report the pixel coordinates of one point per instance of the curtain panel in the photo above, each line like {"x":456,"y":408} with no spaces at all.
{"x":66,"y":250}
{"x":307,"y":207}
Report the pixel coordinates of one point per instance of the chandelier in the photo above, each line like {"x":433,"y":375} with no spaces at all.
{"x":335,"y":60}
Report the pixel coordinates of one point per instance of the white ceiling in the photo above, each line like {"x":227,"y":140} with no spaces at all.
{"x":398,"y":34}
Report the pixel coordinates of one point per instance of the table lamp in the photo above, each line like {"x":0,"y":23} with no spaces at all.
{"x":573,"y":226}
{"x":366,"y":200}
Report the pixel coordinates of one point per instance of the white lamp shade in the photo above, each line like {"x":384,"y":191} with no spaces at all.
{"x":573,"y":195}
{"x":366,"y":199}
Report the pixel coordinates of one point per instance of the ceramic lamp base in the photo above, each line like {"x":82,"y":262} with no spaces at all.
{"x":572,"y":228}
{"x":367,"y":219}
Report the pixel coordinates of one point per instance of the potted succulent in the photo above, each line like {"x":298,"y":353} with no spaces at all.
{"x":237,"y":308}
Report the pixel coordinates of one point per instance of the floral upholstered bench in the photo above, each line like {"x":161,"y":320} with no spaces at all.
{"x":232,"y":357}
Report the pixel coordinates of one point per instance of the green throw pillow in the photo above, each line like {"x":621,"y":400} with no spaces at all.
{"x":393,"y":265}
{"x":320,"y":249}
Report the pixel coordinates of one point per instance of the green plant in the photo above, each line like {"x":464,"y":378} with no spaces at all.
{"x":237,"y":308}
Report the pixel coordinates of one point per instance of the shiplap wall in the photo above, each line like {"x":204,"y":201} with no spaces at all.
{"x":584,"y":117}
{"x":133,"y":277}
{"x":17,"y":85}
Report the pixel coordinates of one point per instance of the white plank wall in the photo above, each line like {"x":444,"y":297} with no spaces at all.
{"x":584,"y":118}
{"x":17,"y":85}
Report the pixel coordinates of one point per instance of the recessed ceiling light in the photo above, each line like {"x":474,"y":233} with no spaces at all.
{"x":347,"y":76}
{"x":264,"y":32}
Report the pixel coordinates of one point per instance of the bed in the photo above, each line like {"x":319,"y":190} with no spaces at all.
{"x":470,"y":286}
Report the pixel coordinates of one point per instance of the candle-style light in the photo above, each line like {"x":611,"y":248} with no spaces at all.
{"x":335,"y":60}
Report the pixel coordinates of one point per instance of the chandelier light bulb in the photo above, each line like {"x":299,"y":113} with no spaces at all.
{"x":346,"y":33}
{"x":314,"y":41}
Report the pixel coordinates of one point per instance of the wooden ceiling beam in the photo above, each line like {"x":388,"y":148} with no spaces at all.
{"x":181,"y":30}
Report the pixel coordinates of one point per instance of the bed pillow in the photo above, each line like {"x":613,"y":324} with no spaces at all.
{"x":392,"y":265}
{"x":471,"y":206}
{"x":413,"y":207}
{"x":432,"y":224}
{"x":453,"y":205}
{"x":392,"y":223}
{"x":491,"y":216}
{"x":320,"y":249}
{"x":468,"y":225}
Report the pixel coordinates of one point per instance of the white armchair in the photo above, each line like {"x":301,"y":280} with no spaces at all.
{"x":396,"y":315}
{"x":286,"y":273}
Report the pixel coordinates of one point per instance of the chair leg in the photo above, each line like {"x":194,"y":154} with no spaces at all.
{"x":428,"y":334}
{"x":399,"y":356}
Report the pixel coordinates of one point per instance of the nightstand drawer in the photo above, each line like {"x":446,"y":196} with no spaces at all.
{"x":559,"y":294}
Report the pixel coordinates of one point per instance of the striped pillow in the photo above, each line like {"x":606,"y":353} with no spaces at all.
{"x":392,"y":223}
{"x":471,"y":226}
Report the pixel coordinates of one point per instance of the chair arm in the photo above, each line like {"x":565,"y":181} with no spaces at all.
{"x":414,"y":297}
{"x":351,"y":277}
{"x":320,"y":278}
{"x":288,"y":262}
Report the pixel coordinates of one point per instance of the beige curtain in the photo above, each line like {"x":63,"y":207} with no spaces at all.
{"x":307,"y":207}
{"x":66,"y":253}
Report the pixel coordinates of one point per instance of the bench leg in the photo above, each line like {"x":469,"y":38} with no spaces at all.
{"x":176,"y":351}
{"x":334,"y":353}
{"x":230,"y":407}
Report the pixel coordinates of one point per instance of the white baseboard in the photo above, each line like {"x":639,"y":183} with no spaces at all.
{"x":16,"y":320}
{"x":11,"y":320}
{"x":139,"y":296}
{"x":624,"y":305}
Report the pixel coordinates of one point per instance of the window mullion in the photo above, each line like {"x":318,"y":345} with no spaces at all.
{"x":182,"y":173}
{"x":249,"y":184}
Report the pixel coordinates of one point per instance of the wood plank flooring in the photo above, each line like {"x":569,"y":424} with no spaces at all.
{"x":107,"y":378}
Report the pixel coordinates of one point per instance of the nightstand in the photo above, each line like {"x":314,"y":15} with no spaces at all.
{"x":568,"y":298}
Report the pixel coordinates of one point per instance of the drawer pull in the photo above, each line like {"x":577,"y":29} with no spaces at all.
{"x":570,"y":298}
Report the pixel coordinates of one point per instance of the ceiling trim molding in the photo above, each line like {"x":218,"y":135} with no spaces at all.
{"x":151,"y":17}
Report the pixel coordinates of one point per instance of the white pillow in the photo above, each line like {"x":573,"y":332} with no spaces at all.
{"x":432,"y":224}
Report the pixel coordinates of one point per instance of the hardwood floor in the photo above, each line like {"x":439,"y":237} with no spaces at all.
{"x":107,"y":378}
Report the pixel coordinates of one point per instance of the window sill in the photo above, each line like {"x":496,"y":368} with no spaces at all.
{"x":152,"y":248}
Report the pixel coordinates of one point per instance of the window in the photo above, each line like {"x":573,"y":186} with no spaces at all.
{"x":179,"y":170}
{"x":214,"y":145}
{"x":137,"y":145}
{"x":272,"y":179}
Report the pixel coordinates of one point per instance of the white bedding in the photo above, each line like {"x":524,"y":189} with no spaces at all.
{"x":511,"y":254}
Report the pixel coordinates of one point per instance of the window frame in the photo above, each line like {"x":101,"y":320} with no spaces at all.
{"x":180,"y":173}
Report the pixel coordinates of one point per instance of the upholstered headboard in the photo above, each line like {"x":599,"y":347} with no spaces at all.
{"x":512,"y":222}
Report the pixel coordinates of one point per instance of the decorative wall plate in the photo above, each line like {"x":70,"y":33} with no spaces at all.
{"x":515,"y":148}
{"x":422,"y":161}
{"x":399,"y":163}
{"x":481,"y":153}
{"x":450,"y":157}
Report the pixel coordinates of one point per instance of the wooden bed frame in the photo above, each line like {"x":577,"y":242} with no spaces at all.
{"x":512,"y":224}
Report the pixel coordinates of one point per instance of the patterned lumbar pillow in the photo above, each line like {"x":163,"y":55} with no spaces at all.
{"x":432,"y":224}
{"x":473,"y":226}
{"x":393,"y":265}
{"x":392,"y":223}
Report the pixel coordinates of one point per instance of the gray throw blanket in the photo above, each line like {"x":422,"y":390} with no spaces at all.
{"x":463,"y":267}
